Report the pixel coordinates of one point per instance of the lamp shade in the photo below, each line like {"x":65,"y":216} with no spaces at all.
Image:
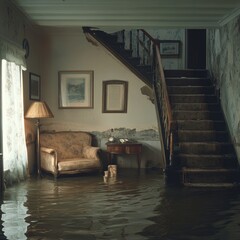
{"x":39,"y":110}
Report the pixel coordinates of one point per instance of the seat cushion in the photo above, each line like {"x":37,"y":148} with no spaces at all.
{"x":78,"y":164}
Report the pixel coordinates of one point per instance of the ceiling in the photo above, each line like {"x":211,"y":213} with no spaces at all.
{"x":130,"y":13}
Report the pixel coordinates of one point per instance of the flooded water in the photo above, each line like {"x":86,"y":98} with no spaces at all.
{"x":133,"y":206}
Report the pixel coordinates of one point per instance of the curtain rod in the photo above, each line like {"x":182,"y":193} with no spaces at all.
{"x":4,"y":38}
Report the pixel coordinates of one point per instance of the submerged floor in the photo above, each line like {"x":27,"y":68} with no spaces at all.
{"x":133,"y":206}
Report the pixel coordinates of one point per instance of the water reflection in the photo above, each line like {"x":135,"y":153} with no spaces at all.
{"x":196,"y":214}
{"x":132,"y":206}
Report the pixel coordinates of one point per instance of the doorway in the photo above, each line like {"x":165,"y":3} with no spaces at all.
{"x":196,"y":48}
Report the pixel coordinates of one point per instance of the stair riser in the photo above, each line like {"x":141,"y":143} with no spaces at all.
{"x":201,"y":125}
{"x":218,"y":149}
{"x":135,"y":61}
{"x":193,"y":99}
{"x":212,"y":177}
{"x":202,"y":136}
{"x":188,"y":115}
{"x":144,"y":68}
{"x":196,"y":107}
{"x":188,"y":82}
{"x":190,"y":90}
{"x":186,"y":73}
{"x":198,"y":162}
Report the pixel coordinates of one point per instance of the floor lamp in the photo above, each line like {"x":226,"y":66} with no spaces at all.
{"x":38,"y":110}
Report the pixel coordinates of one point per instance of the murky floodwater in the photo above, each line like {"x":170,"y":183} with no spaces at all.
{"x":134,"y":206}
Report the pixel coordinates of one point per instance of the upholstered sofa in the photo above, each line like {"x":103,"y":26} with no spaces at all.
{"x":68,"y":153}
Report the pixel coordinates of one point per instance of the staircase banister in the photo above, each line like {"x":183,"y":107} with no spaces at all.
{"x":169,"y":111}
{"x":149,"y":36}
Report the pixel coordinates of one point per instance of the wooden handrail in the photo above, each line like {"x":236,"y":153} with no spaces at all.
{"x":169,"y":112}
{"x":166,"y":123}
{"x":148,"y":35}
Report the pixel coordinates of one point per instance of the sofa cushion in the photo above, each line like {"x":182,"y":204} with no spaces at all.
{"x":78,"y":164}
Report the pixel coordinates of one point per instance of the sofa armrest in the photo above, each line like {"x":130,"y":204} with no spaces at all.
{"x":90,"y":152}
{"x":48,"y":150}
{"x":49,"y":159}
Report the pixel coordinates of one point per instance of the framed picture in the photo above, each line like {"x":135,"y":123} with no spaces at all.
{"x":75,"y":89}
{"x":34,"y":87}
{"x":170,"y":48}
{"x":115,"y":96}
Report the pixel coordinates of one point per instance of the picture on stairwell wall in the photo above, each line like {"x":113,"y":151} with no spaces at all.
{"x":75,"y":89}
{"x":115,"y":96}
{"x":169,"y":48}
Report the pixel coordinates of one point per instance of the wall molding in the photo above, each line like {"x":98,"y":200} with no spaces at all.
{"x":226,"y":19}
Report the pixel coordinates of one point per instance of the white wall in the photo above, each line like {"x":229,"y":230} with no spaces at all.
{"x":69,"y":50}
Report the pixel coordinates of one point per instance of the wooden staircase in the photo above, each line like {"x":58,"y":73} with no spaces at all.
{"x":205,"y":155}
{"x":193,"y":133}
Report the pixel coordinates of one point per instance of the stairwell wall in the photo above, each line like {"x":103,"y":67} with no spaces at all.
{"x":223,"y":62}
{"x":68,"y":50}
{"x":164,"y":35}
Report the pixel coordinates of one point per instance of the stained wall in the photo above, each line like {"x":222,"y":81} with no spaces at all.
{"x":224,"y":65}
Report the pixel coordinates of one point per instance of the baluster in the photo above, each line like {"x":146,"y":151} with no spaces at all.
{"x":137,"y":43}
{"x":130,"y":40}
{"x":123,"y":37}
{"x":143,"y":48}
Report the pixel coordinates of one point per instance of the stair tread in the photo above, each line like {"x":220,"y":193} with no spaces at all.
{"x":202,"y":131}
{"x":212,"y":185}
{"x":202,"y":111}
{"x":189,"y":86}
{"x":209,"y":170}
{"x":203,"y":78}
{"x":191,"y":95}
{"x":207,"y":142}
{"x":196,"y":103}
{"x":203,"y":120}
{"x":206,"y":155}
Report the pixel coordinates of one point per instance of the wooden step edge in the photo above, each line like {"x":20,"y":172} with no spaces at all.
{"x":195,"y":111}
{"x":194,"y":78}
{"x":207,"y":170}
{"x":202,"y":131}
{"x":207,"y":143}
{"x":212,"y":185}
{"x":202,"y":121}
{"x":207,"y":155}
{"x":217,"y":104}
{"x":192,"y":95}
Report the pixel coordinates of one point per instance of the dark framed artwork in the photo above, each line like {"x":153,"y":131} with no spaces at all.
{"x":34,"y":87}
{"x":75,"y":89}
{"x":115,"y":96}
{"x":169,"y":48}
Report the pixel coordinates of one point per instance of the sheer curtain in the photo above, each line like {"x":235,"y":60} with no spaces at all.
{"x":13,"y":132}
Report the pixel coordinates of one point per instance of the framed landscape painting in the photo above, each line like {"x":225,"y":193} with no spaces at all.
{"x":169,"y":48}
{"x":75,"y":89}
